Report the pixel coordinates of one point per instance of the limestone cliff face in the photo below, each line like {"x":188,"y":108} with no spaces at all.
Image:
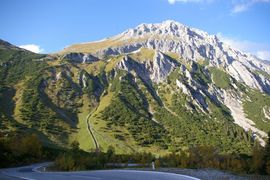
{"x":80,"y":57}
{"x":192,"y":45}
{"x":156,"y":70}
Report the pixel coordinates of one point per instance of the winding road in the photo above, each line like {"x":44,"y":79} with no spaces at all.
{"x":33,"y":172}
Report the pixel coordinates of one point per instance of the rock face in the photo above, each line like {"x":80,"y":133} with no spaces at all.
{"x":80,"y":57}
{"x":161,"y":67}
{"x":156,"y":70}
{"x":233,"y":102}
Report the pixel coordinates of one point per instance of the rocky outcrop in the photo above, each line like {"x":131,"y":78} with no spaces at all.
{"x":241,"y":73}
{"x":80,"y":57}
{"x":90,"y":84}
{"x":161,"y":67}
{"x":266,"y":112}
{"x":156,"y":70}
{"x":234,"y":103}
{"x":189,"y":43}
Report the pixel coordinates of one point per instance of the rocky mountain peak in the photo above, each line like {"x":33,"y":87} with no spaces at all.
{"x":188,"y":43}
{"x":166,"y":28}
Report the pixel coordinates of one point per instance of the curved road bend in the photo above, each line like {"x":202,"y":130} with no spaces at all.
{"x":31,"y":172}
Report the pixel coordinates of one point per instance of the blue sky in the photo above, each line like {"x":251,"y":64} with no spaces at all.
{"x":50,"y":25}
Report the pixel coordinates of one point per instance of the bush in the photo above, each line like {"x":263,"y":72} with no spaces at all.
{"x":24,"y":149}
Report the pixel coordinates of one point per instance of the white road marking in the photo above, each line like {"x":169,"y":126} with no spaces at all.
{"x":91,"y":175}
{"x":24,"y":178}
{"x":155,"y":172}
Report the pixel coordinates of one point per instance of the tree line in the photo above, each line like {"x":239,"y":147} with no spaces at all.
{"x":25,"y":149}
{"x":196,"y":157}
{"x":29,"y":149}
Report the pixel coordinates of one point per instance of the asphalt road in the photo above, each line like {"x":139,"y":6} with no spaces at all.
{"x":32,"y":172}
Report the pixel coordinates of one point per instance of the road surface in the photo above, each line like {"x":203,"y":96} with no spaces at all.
{"x":33,"y":172}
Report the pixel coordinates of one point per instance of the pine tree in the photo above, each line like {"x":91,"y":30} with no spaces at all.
{"x":267,"y":156}
{"x":257,"y":158}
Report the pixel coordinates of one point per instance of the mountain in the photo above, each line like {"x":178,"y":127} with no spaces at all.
{"x":155,"y":88}
{"x":6,"y":45}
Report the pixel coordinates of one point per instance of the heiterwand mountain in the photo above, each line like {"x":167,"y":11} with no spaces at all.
{"x":155,"y":88}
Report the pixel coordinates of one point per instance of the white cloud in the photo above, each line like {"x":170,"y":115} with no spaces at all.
{"x":32,"y":47}
{"x":171,"y":1}
{"x":246,"y":4}
{"x":240,"y":8}
{"x":264,"y":55}
{"x":262,"y":50}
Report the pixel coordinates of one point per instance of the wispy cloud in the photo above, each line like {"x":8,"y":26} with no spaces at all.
{"x":262,"y":50}
{"x":264,"y":55}
{"x":242,"y":6}
{"x":238,"y":6}
{"x":32,"y":47}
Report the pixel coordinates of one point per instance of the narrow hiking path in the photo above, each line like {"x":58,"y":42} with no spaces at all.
{"x":90,"y":131}
{"x":169,"y":110}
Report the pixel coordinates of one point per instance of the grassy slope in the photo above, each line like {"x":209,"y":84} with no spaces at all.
{"x":110,"y":136}
{"x":144,"y":54}
{"x":93,"y":68}
{"x":220,"y":78}
{"x":18,"y":99}
{"x":105,"y":135}
{"x":112,"y":62}
{"x":82,"y":136}
{"x":254,"y":108}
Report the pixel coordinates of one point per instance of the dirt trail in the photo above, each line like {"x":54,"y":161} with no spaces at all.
{"x":90,"y":131}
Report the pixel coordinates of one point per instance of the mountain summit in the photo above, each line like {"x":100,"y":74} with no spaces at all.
{"x":162,"y":87}
{"x":189,"y":43}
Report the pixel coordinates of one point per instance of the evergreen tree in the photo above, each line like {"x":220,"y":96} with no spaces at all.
{"x":267,"y":155}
